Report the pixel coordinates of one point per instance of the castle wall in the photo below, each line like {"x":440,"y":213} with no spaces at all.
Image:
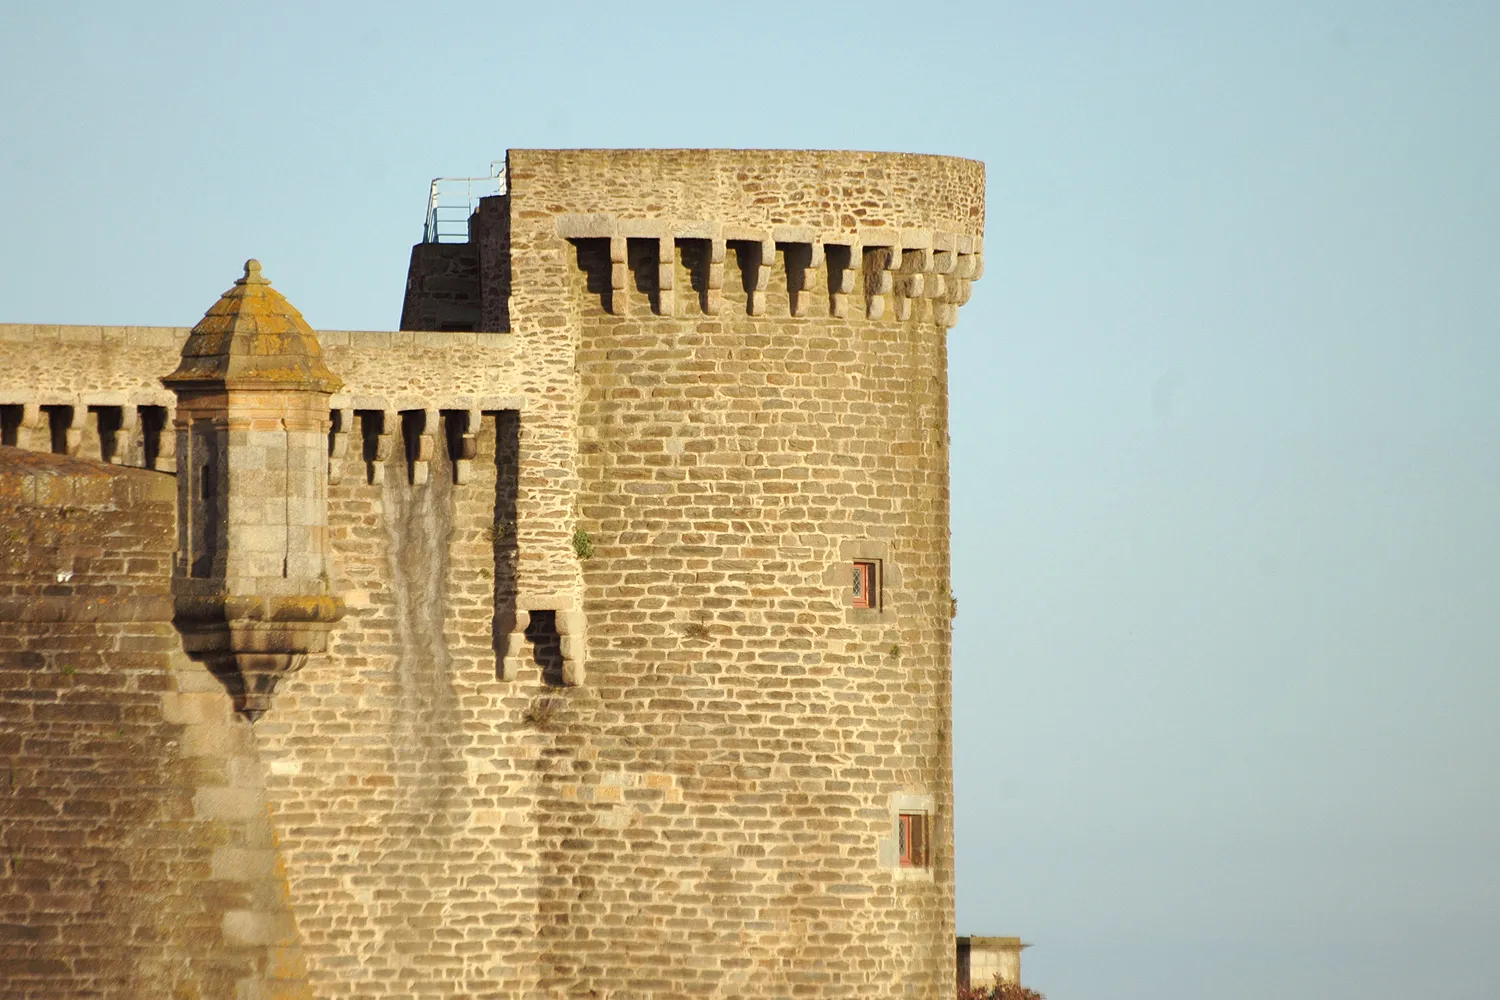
{"x":404,"y":765}
{"x":759,"y":727}
{"x":138,"y":856}
{"x":442,"y":288}
{"x":721,"y":820}
{"x":834,"y":191}
{"x":397,"y":766}
{"x":92,"y":366}
{"x":671,"y":767}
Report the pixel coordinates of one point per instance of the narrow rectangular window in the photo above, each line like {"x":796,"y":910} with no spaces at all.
{"x":911,"y":831}
{"x":204,"y":510}
{"x":866,"y":582}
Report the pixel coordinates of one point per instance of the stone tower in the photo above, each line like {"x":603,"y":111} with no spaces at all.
{"x":251,"y":585}
{"x":620,"y":574}
{"x":746,"y":436}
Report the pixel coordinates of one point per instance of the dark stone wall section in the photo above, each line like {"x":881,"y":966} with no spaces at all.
{"x":112,"y":839}
{"x":442,"y":288}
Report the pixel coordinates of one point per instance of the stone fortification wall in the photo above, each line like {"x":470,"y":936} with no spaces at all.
{"x":95,"y":391}
{"x":669,"y":767}
{"x":397,"y":766}
{"x":137,"y":858}
{"x":761,"y":399}
{"x":402,"y":765}
{"x":442,"y":288}
{"x":831,"y":190}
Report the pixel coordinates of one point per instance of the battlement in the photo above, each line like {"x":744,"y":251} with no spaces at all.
{"x":95,"y":391}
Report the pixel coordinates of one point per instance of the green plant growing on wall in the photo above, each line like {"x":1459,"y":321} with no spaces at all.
{"x":583,"y":544}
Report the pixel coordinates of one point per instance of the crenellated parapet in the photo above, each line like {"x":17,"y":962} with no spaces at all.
{"x":82,"y":391}
{"x":113,"y":427}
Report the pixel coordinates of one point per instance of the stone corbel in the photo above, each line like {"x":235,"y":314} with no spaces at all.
{"x":572,"y":631}
{"x":421,"y":450}
{"x":619,"y":276}
{"x":131,"y":443}
{"x":844,"y":270}
{"x":166,"y":444}
{"x":880,"y":265}
{"x":804,"y":258}
{"x":756,"y":261}
{"x":758,"y":277}
{"x":379,"y":440}
{"x":666,"y":275}
{"x":814,"y":267}
{"x":251,"y":642}
{"x":73,"y":434}
{"x":967,"y":267}
{"x":517,"y":648}
{"x":714,"y":282}
{"x":916,"y":280}
{"x":468,"y":445}
{"x":944,"y":253}
{"x":89,"y":421}
{"x":944,"y":264}
{"x":342,"y":420}
{"x":35,"y":432}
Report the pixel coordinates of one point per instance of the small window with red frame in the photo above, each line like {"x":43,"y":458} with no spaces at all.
{"x":911,"y":832}
{"x":866,"y":584}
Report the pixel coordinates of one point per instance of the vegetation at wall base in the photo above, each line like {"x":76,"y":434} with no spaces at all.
{"x":999,"y":991}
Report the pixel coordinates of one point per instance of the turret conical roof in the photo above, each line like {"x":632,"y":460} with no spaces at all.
{"x":253,"y":338}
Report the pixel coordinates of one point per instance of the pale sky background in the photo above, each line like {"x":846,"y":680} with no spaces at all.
{"x":1226,"y":429}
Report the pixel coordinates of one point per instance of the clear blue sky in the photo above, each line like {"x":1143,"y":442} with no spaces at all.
{"x":1226,"y":425}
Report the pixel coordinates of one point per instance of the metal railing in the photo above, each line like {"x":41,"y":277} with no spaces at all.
{"x":451,"y":200}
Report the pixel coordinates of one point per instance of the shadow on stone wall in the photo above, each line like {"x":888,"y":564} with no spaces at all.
{"x":419,"y":526}
{"x":507,"y":486}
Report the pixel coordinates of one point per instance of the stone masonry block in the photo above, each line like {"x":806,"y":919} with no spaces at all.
{"x":230,"y":804}
{"x":244,"y":864}
{"x":251,"y":927}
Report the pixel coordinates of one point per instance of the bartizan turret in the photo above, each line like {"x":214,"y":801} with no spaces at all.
{"x":251,"y":581}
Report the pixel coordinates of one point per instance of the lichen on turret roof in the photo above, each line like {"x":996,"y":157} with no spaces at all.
{"x":253,"y":338}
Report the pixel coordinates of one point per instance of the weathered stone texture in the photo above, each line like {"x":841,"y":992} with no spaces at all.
{"x":982,"y":961}
{"x":442,"y":288}
{"x":672,"y":768}
{"x":403,"y":771}
{"x":123,"y":366}
{"x":733,"y":756}
{"x":833,"y":190}
{"x":137,"y":853}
